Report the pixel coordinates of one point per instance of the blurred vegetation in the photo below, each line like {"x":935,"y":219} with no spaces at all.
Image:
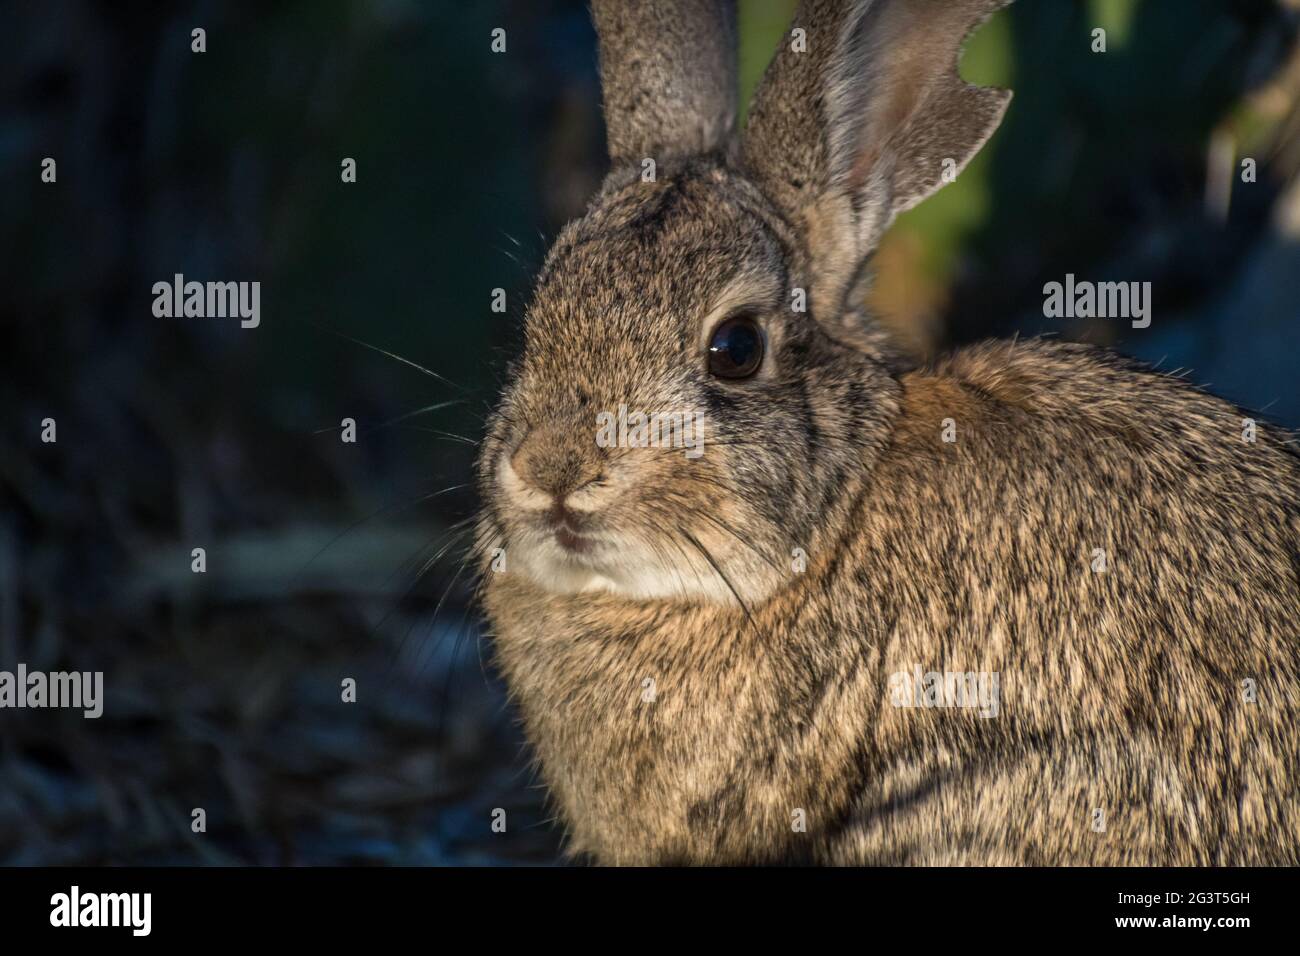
{"x":329,"y":560}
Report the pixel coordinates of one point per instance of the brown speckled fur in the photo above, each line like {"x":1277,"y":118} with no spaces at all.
{"x":1121,"y":692}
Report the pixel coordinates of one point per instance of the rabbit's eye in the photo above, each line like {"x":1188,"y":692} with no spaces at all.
{"x":736,"y":348}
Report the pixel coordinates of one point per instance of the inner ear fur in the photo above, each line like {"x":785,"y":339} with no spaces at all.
{"x":858,"y":117}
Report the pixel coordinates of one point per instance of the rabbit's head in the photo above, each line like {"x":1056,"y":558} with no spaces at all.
{"x":698,"y":394}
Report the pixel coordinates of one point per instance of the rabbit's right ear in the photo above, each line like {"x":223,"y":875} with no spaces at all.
{"x":667,"y":75}
{"x":860,"y":116}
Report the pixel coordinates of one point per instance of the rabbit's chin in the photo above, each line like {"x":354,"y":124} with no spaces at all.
{"x":626,"y":570}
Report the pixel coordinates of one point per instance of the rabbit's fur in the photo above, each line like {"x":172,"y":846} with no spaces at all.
{"x":714,"y":680}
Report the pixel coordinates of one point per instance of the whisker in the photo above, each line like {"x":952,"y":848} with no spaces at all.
{"x":422,"y":662}
{"x":721,"y":574}
{"x":399,"y":506}
{"x":445,"y":700}
{"x":399,"y":418}
{"x":455,"y":534}
{"x":442,"y":434}
{"x":723,"y":526}
{"x":392,"y":355}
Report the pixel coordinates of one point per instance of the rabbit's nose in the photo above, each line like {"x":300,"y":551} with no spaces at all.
{"x":555,"y":461}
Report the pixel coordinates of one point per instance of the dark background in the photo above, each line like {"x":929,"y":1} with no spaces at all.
{"x":329,"y":560}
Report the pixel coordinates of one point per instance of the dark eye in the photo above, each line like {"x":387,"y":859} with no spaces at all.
{"x":736,"y":348}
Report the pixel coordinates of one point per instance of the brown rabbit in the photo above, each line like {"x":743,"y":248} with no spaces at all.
{"x":1034,"y":604}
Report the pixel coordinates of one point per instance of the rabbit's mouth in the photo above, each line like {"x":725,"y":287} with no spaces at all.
{"x":571,"y":540}
{"x":568,"y":529}
{"x":587,"y":534}
{"x":568,"y":539}
{"x":596,"y":558}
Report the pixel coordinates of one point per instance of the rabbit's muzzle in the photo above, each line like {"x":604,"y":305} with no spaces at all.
{"x":556,"y":487}
{"x":551,"y":463}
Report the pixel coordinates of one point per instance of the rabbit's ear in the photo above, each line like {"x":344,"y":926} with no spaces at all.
{"x":862,"y":115}
{"x":668,"y":72}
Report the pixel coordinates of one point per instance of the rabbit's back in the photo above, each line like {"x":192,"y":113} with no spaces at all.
{"x":1106,"y":548}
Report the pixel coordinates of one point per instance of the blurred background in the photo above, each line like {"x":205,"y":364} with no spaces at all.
{"x":329,"y":560}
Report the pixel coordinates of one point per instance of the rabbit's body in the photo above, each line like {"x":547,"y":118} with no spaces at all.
{"x":1121,"y":690}
{"x":728,"y":657}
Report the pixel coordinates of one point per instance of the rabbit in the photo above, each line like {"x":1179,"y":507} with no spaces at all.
{"x":1032,"y":603}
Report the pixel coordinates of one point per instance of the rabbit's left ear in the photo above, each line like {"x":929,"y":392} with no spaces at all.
{"x":860,"y":116}
{"x":668,"y":74}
